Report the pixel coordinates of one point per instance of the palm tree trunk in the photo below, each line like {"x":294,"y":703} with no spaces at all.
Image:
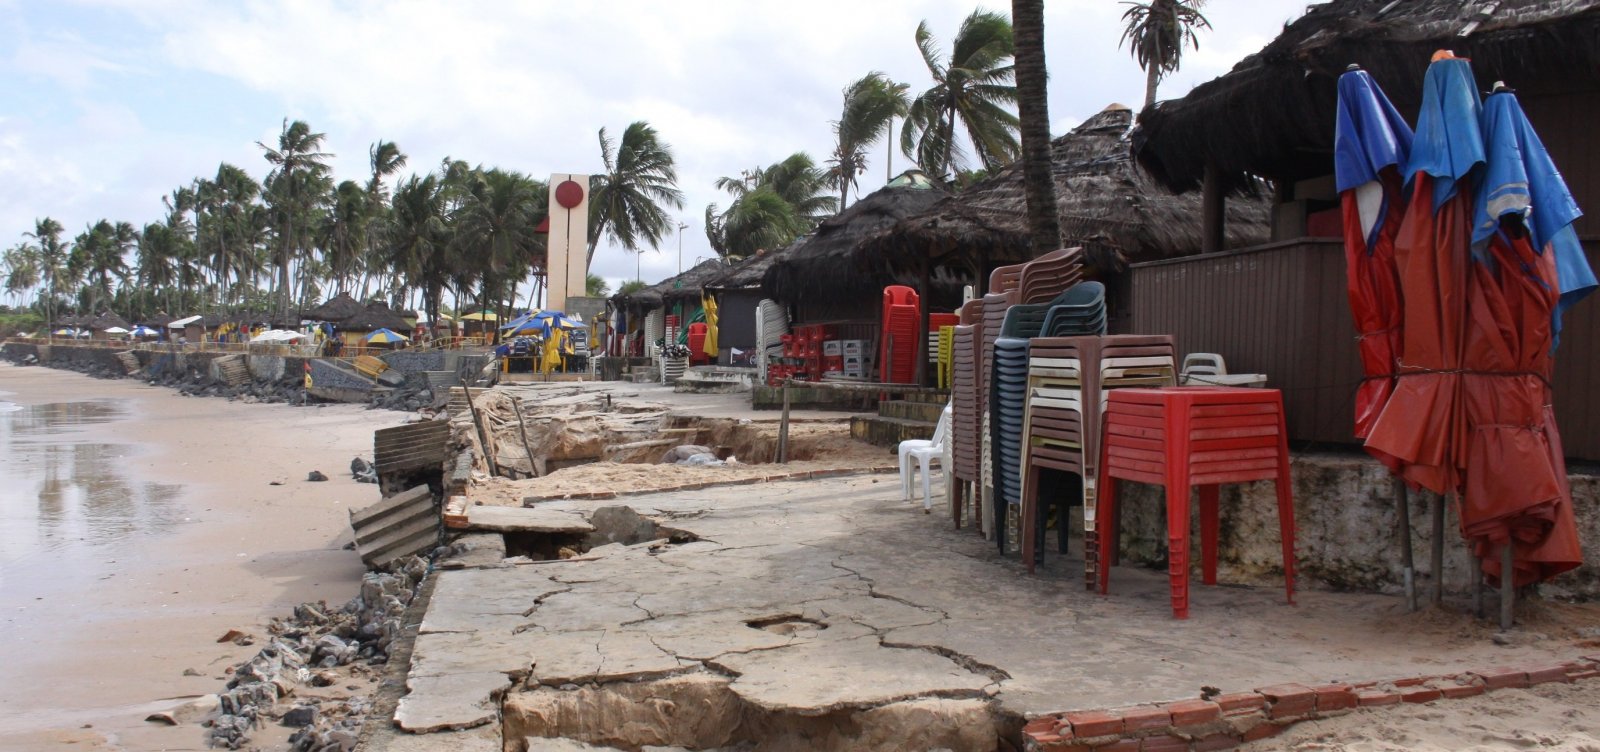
{"x":1151,"y":78}
{"x":1033,"y":110}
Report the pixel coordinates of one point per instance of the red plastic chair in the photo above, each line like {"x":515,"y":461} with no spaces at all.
{"x":1179,"y":437}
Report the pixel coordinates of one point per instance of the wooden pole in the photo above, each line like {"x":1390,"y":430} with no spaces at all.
{"x":925,"y":297}
{"x":1508,"y":587}
{"x":1437,"y":559}
{"x":483,"y":438}
{"x":522,"y":426}
{"x":783,"y":427}
{"x":1408,"y":566}
{"x":1213,"y":210}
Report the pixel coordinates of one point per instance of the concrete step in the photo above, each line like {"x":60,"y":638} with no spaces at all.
{"x":927,"y":412}
{"x":889,"y":432}
{"x":399,"y":526}
{"x":129,"y":361}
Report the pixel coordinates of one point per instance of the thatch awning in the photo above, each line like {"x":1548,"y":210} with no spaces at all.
{"x":748,"y":271}
{"x":1273,"y":114}
{"x":337,"y":309}
{"x":377,"y":315}
{"x":689,"y":285}
{"x":823,"y":267}
{"x":1105,"y":204}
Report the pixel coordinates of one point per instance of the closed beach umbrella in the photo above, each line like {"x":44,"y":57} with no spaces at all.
{"x":384,"y":337}
{"x":710,"y":347}
{"x":1371,"y":145}
{"x":1422,"y":424}
{"x":1524,"y":212}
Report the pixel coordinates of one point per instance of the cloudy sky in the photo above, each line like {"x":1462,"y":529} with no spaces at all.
{"x":107,"y":105}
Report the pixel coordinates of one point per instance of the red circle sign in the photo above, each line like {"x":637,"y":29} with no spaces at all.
{"x":569,"y":194}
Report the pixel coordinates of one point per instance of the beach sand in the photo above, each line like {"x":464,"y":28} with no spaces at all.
{"x":100,"y":641}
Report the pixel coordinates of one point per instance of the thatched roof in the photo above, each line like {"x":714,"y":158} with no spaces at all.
{"x":688,"y":285}
{"x":161,"y":319}
{"x":1105,"y":204}
{"x":337,"y":309}
{"x":106,"y":320}
{"x":748,"y":271}
{"x":822,"y":265}
{"x":1273,"y":114}
{"x":377,"y":315}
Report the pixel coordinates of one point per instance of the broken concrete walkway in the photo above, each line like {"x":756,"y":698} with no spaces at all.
{"x":828,"y":614}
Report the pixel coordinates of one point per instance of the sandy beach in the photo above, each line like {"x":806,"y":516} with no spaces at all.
{"x":97,"y":633}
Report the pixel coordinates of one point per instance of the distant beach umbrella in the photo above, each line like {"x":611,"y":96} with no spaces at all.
{"x":384,"y":337}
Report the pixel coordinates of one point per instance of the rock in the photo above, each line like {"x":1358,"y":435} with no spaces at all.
{"x":230,"y":636}
{"x":163,"y":717}
{"x":620,"y":524}
{"x":316,"y":476}
{"x":324,"y":679}
{"x":191,"y":672}
{"x":684,"y":452}
{"x":303,"y":715}
{"x":275,"y":483}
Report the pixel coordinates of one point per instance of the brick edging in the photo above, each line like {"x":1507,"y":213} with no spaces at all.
{"x":796,"y":475}
{"x":1229,"y":720}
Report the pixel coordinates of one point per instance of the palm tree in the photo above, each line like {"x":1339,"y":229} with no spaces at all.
{"x":494,"y":230}
{"x":629,"y":202}
{"x":1156,"y":33}
{"x":227,"y":230}
{"x":51,"y":255}
{"x":1033,"y":109}
{"x":417,"y":239}
{"x":973,"y":87}
{"x":596,"y":286}
{"x":22,"y":269}
{"x":771,"y":206}
{"x":297,"y":183}
{"x":97,"y":257}
{"x":344,"y":231}
{"x":870,"y":106}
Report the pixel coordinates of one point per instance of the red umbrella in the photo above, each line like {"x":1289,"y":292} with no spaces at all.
{"x":1422,"y":423}
{"x":1371,"y":144}
{"x":1514,"y":291}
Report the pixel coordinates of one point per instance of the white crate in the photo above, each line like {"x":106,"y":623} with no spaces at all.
{"x":831,"y":347}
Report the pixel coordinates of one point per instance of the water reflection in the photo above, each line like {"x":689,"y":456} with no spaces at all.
{"x":65,"y":497}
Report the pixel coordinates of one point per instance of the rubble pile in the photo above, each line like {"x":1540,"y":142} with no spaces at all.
{"x":311,"y":648}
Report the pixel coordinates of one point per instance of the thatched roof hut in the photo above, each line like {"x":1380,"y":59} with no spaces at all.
{"x":822,"y":268}
{"x":106,"y":320}
{"x":160,"y":319}
{"x":749,"y":271}
{"x":337,"y":309}
{"x":1105,"y":204}
{"x":376,"y":315}
{"x":689,"y":285}
{"x":1273,"y":114}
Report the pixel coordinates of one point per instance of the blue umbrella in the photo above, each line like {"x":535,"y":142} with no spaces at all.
{"x":557,"y":318}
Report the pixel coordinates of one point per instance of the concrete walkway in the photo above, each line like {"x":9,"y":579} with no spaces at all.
{"x":830,"y":614}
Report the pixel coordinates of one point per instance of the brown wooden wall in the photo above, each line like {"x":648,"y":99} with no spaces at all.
{"x":1280,"y":309}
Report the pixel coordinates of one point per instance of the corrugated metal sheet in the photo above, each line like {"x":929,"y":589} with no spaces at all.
{"x":1280,"y":309}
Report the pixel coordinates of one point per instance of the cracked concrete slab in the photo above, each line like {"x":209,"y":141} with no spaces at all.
{"x":519,"y":520}
{"x":451,"y":701}
{"x":834,"y":601}
{"x":818,"y":676}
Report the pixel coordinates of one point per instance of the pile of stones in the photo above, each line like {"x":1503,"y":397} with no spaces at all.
{"x":305,"y":649}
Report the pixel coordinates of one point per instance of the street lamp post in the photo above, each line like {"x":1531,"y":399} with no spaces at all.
{"x":681,"y":227}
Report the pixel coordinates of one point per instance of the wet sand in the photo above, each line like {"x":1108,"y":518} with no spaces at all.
{"x":144,"y":528}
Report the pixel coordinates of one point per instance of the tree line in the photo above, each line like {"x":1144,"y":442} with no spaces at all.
{"x":228,"y":242}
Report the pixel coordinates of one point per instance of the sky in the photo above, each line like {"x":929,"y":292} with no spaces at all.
{"x":108,"y":105}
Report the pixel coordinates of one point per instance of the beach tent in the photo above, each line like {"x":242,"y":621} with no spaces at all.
{"x":144,"y":331}
{"x":116,"y":330}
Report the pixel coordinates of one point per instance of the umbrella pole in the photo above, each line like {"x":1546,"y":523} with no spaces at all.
{"x":1477,"y":585}
{"x":1403,"y":509}
{"x":1508,"y":587}
{"x":1437,"y":559}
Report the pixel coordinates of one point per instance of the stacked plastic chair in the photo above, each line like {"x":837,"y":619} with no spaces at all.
{"x":1007,"y":403}
{"x":966,"y":439}
{"x":938,"y":353}
{"x":655,"y":327}
{"x":1002,"y":283}
{"x":772,"y":322}
{"x":897,"y":341}
{"x":1067,"y":383}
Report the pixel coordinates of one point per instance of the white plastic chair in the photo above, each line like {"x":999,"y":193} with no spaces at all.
{"x":1204,"y":364}
{"x":925,"y":453}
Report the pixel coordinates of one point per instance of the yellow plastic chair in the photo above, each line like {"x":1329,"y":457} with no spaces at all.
{"x":947,"y":338}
